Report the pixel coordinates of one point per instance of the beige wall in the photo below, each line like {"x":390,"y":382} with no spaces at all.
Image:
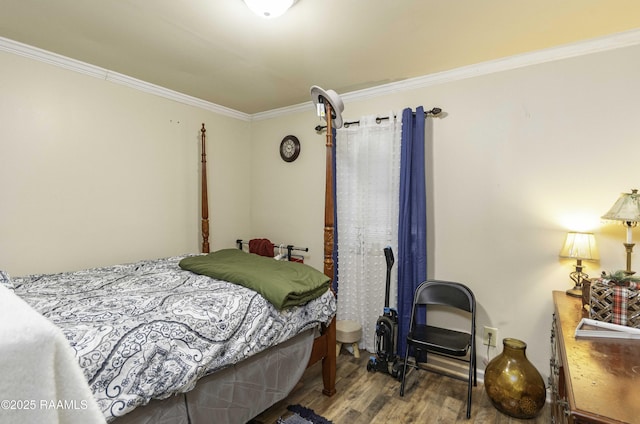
{"x":94,"y":173}
{"x":287,"y":199}
{"x":521,"y":157}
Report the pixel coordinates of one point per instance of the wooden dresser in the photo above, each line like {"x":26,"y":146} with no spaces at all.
{"x":591,"y":380}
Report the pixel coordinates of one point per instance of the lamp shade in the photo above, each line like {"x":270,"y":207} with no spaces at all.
{"x":269,"y":8}
{"x":580,"y":246}
{"x":626,"y":208}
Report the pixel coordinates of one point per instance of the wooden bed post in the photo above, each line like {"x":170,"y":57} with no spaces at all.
{"x":328,"y":200}
{"x":329,"y":361}
{"x":204,"y":198}
{"x":324,"y":346}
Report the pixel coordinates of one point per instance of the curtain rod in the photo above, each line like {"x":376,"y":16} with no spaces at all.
{"x":435,"y":111}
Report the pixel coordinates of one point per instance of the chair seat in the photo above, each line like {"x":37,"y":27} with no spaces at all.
{"x":348,"y":331}
{"x":449,"y":342}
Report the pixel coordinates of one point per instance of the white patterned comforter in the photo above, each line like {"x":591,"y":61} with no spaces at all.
{"x":150,"y":330}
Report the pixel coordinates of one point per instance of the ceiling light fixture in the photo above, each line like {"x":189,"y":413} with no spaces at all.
{"x":269,"y":9}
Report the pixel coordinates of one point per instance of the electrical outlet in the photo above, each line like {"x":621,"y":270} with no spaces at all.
{"x":490,"y":336}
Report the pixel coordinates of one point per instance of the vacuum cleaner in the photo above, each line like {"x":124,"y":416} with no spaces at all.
{"x":385,"y":359}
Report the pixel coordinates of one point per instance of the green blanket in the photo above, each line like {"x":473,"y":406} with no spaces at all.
{"x":282,"y":283}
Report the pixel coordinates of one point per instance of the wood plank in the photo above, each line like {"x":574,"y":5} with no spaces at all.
{"x":363,"y":397}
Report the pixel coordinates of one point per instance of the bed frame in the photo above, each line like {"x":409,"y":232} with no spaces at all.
{"x":324,"y":345}
{"x":202,"y":404}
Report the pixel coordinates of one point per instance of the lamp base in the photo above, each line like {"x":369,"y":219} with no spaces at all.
{"x":628,"y":247}
{"x":575,"y":292}
{"x":577,"y":277}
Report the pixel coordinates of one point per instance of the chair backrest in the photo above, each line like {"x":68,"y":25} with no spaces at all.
{"x":437,"y":292}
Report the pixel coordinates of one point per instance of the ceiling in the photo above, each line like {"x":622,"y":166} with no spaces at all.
{"x":218,"y":51}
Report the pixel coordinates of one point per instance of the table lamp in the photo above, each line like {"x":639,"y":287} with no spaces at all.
{"x":626,"y":210}
{"x":579,"y":246}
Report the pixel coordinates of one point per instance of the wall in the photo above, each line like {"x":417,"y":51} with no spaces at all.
{"x":288,"y":198}
{"x":519,"y":158}
{"x":95,"y":173}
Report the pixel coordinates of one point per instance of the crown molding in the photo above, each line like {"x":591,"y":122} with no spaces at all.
{"x":55,"y":59}
{"x":581,"y":48}
{"x":609,"y":42}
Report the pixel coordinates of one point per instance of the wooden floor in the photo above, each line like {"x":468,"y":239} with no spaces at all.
{"x":365,"y":397}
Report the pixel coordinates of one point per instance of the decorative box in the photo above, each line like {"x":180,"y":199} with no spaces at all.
{"x":608,"y":302}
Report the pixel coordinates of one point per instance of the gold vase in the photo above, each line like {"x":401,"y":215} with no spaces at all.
{"x":513,"y":384}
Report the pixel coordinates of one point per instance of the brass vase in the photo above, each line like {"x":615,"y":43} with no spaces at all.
{"x":513,"y":384}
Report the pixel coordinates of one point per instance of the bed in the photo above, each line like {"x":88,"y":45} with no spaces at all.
{"x":162,"y":344}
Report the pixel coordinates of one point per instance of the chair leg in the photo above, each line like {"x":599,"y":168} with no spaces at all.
{"x":472,"y":378}
{"x":469,"y":390}
{"x":475,"y":369}
{"x":356,"y":350}
{"x":404,"y":371}
{"x":475,"y":365}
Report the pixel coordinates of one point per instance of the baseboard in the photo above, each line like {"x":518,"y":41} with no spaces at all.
{"x":451,"y":366}
{"x":460,"y":370}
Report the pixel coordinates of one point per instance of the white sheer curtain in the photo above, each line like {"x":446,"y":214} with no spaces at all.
{"x":367,"y":203}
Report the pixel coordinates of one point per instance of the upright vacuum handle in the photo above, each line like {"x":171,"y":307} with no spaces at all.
{"x":388,"y":254}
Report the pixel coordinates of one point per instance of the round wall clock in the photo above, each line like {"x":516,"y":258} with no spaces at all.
{"x":289,"y":148}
